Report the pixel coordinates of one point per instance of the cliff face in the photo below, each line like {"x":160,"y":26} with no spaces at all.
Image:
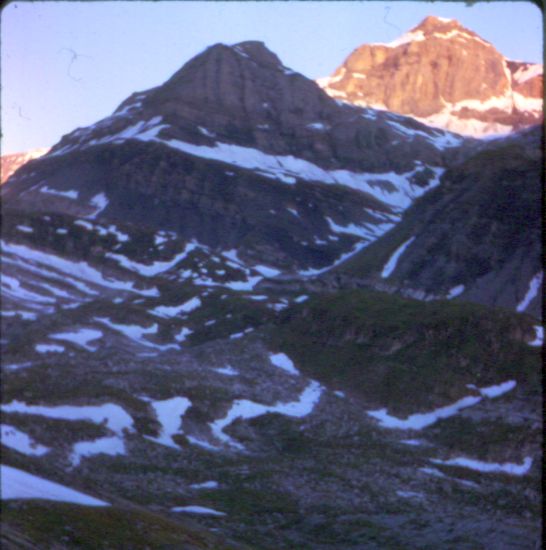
{"x":445,"y":75}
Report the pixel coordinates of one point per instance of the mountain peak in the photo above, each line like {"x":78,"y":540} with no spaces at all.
{"x":433,"y":23}
{"x":445,"y":75}
{"x":257,"y":51}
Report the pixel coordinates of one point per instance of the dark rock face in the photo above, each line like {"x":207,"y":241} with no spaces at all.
{"x":445,"y":74}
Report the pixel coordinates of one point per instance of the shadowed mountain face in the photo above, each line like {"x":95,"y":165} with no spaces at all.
{"x":445,"y":75}
{"x":179,"y":344}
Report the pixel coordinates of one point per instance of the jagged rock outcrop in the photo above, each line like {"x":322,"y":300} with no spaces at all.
{"x":445,"y":75}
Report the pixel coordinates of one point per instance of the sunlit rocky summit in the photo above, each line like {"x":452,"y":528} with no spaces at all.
{"x":444,"y":75}
{"x":12,"y":162}
{"x":240,"y":313}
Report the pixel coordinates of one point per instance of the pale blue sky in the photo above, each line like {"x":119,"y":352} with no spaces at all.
{"x":68,"y":64}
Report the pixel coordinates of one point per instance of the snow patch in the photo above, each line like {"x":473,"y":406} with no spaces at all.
{"x":136,"y":333}
{"x":527,"y":72}
{"x":81,"y":337}
{"x":105,"y":445}
{"x":21,"y":442}
{"x":227,"y":371}
{"x":350,"y":229}
{"x":205,"y":485}
{"x":183,"y":334}
{"x":169,"y":413}
{"x":81,"y":270}
{"x":99,"y":202}
{"x":48,"y":348}
{"x":455,"y":291}
{"x":496,"y":391}
{"x":67,"y":194}
{"x":25,"y":228}
{"x":282,"y":361}
{"x":151,"y":270}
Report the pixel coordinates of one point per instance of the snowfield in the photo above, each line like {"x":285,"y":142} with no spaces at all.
{"x":532,"y":292}
{"x":17,"y":484}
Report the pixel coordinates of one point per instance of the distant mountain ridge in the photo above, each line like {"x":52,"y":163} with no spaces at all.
{"x":12,"y":162}
{"x":443,"y":75}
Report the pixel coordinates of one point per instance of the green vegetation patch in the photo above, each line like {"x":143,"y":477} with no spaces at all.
{"x":60,"y":525}
{"x":407,"y":355}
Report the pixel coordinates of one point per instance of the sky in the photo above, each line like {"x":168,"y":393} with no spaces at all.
{"x":68,"y":64}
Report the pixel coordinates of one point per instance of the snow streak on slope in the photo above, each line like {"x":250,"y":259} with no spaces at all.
{"x":81,"y":337}
{"x":419,"y":421}
{"x":70,"y":268}
{"x":114,"y":416}
{"x":531,"y":294}
{"x":201,"y":510}
{"x":245,"y":409}
{"x":390,"y":266}
{"x":489,"y":467}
